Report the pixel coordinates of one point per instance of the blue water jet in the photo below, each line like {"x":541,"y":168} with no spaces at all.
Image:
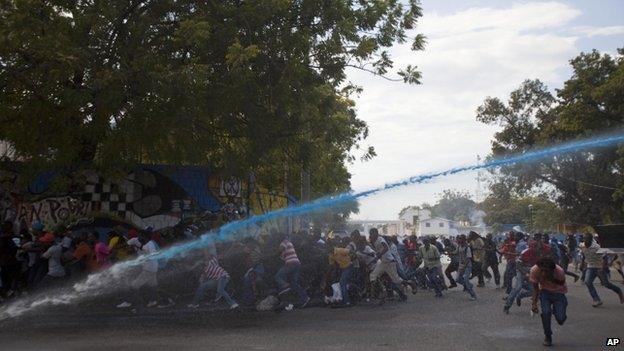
{"x":224,"y":233}
{"x":97,"y":283}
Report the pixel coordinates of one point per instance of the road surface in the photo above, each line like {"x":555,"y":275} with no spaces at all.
{"x":423,"y":323}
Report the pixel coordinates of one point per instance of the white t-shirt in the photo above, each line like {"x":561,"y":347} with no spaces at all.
{"x":150,"y":265}
{"x":379,"y":245}
{"x":53,"y":254}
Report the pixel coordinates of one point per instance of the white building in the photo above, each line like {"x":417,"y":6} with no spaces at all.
{"x":436,"y":226}
{"x":413,"y":215}
{"x":391,"y":227}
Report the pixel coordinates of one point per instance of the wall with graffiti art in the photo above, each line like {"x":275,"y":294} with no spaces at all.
{"x":156,"y":196}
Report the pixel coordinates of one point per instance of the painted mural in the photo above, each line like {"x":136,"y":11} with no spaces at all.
{"x":155,"y":196}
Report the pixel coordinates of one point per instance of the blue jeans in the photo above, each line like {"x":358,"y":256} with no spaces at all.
{"x":255,"y":274}
{"x":552,"y":304}
{"x":463,"y":278}
{"x":510,"y":271}
{"x":345,"y":277}
{"x":590,"y":276}
{"x":521,"y":290}
{"x":211,"y":284}
{"x":434,"y":279}
{"x":288,"y":276}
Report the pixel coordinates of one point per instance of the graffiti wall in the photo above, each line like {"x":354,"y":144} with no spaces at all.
{"x":150,"y":196}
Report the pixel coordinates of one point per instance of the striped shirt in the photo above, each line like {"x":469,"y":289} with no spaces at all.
{"x":288,"y":255}
{"x":213,"y":270}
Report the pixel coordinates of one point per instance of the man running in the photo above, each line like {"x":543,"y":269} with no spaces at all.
{"x":549,"y":285}
{"x":451,"y":250}
{"x":478,"y":257}
{"x":385,"y":263}
{"x":528,"y":258}
{"x":595,"y":268}
{"x":464,"y":265}
{"x":287,"y":277}
{"x":508,"y":250}
{"x":431,"y":257}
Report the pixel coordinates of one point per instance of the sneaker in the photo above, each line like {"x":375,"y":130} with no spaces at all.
{"x":547,"y":341}
{"x":283,"y":291}
{"x":167,"y":304}
{"x":414,"y":287}
{"x":234,"y":306}
{"x":506,"y":309}
{"x":305,"y":303}
{"x":454,"y":285}
{"x":124,"y":305}
{"x":193,"y":305}
{"x":597,"y":303}
{"x":152,"y":304}
{"x":473,"y":298}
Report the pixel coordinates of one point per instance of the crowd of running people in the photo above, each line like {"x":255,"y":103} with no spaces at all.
{"x":340,"y":272}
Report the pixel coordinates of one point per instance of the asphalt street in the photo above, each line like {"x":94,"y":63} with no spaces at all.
{"x":422,"y":323}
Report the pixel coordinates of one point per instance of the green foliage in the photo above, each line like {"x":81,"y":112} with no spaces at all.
{"x":587,"y":186}
{"x":454,"y":205}
{"x":503,"y":206}
{"x":238,"y":85}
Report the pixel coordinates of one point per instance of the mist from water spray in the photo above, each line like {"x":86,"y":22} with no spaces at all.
{"x":107,"y":281}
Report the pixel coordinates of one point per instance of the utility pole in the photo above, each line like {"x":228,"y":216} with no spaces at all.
{"x":531,"y":218}
{"x":305,"y":196}
{"x":479,"y":192}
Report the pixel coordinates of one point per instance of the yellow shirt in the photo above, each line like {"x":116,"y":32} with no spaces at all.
{"x":341,"y":257}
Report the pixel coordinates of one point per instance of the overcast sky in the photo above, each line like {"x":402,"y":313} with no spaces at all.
{"x":475,"y":49}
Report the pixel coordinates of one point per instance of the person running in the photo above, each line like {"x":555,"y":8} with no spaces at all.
{"x":254,"y":276}
{"x":213,"y":277}
{"x":537,"y":249}
{"x":341,"y":257}
{"x":464,"y":265}
{"x":565,"y":260}
{"x":508,"y":250}
{"x":478,"y":257}
{"x":287,"y":277}
{"x":147,"y":279}
{"x":549,"y":285}
{"x":431,"y":258}
{"x":491,"y":258}
{"x":595,"y":268}
{"x":451,"y":250}
{"x":385,"y":263}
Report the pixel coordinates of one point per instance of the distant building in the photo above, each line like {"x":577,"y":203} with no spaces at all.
{"x":390,"y":227}
{"x":435,"y":226}
{"x":413,"y":215}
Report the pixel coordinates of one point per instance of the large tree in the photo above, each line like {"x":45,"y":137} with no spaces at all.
{"x":242,"y":86}
{"x":454,"y":205}
{"x":587,"y":185}
{"x":504,"y":206}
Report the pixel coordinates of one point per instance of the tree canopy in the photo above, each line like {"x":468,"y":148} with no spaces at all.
{"x":242,"y":86}
{"x":588,"y":186}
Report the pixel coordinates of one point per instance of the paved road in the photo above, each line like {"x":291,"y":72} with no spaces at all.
{"x":423,"y":323}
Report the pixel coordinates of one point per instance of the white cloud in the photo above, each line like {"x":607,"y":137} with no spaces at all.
{"x":470,"y":55}
{"x":590,"y":31}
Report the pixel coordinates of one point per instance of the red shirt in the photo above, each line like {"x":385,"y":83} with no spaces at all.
{"x":509,"y":250}
{"x":537,"y":277}
{"x":531,"y":255}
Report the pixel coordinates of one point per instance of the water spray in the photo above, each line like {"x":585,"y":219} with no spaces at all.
{"x":104,"y":281}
